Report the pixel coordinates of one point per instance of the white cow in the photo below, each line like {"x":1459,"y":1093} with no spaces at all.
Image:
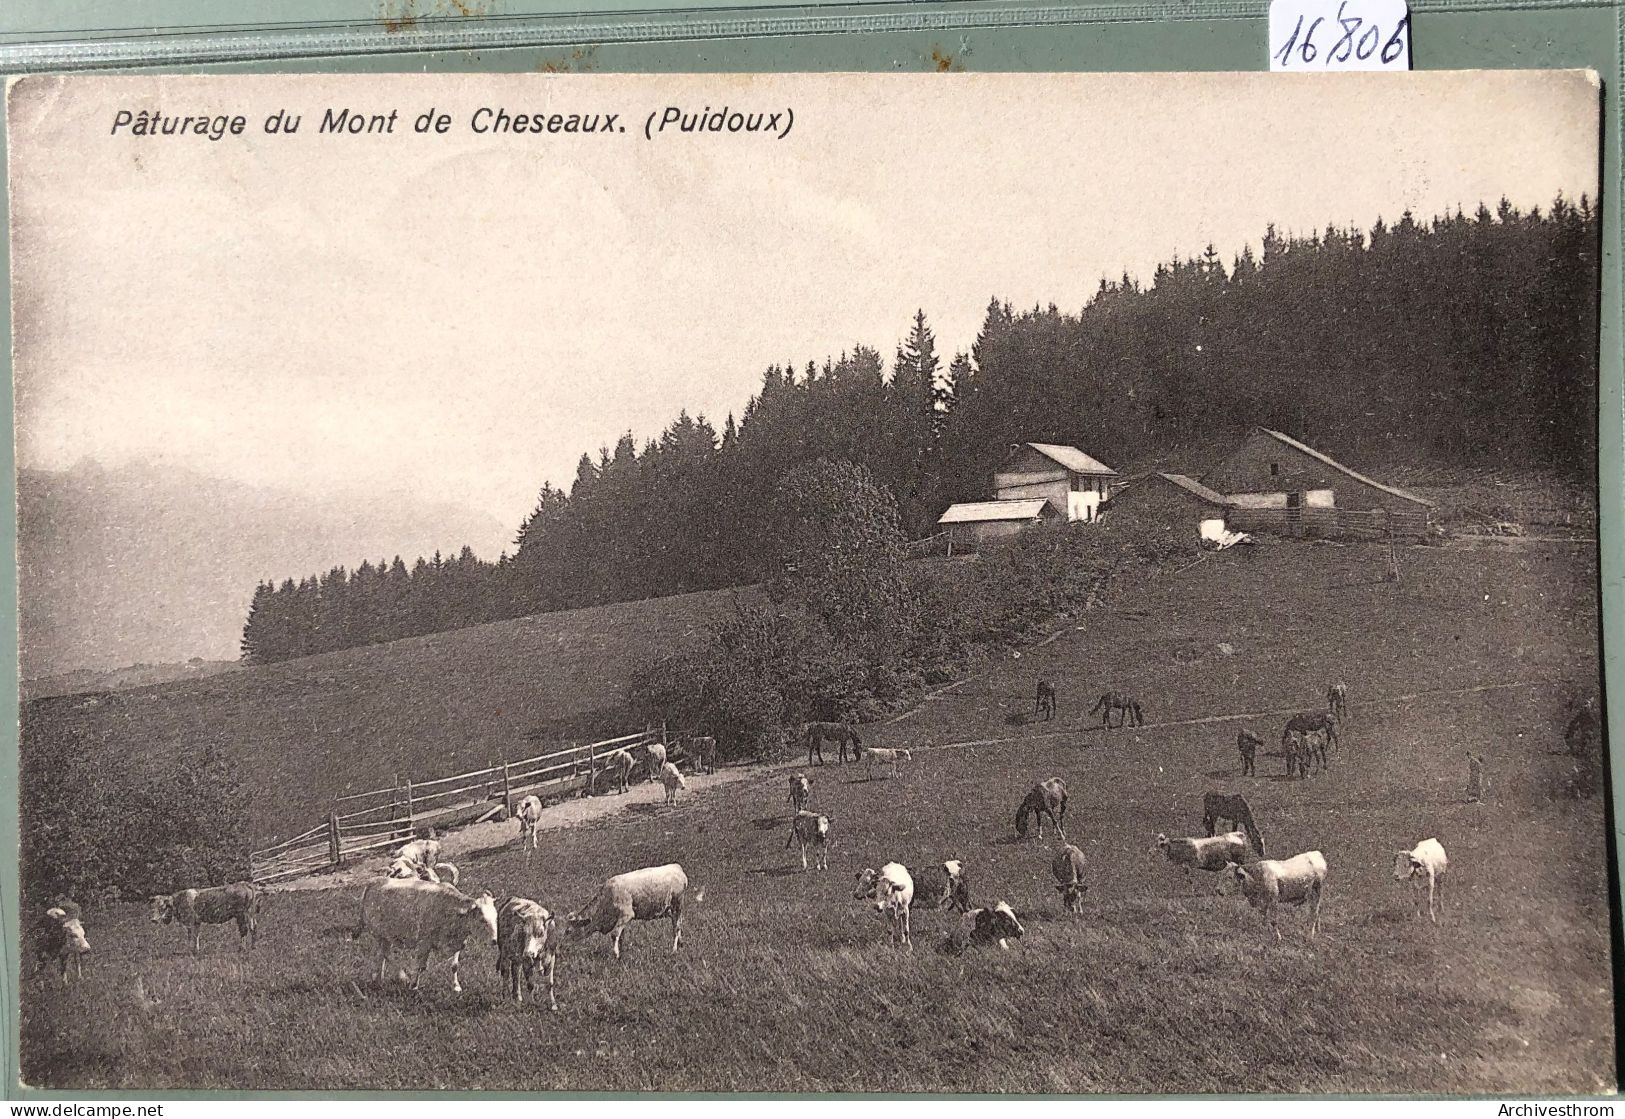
{"x":424,"y":852}
{"x":1271,"y":882}
{"x":619,"y":764}
{"x":892,"y":888}
{"x":672,"y":778}
{"x":873,"y":754}
{"x":529,"y":814}
{"x":654,"y":756}
{"x":426,"y":917}
{"x":639,"y":895}
{"x":1202,"y":852}
{"x":525,"y":942}
{"x":1424,"y":865}
{"x":439,"y":872}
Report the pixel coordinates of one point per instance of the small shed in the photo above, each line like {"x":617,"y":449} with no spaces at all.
{"x":973,"y":524}
{"x":1073,"y":482}
{"x":1171,"y":501}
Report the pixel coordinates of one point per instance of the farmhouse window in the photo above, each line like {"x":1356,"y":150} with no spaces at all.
{"x":1275,"y":469}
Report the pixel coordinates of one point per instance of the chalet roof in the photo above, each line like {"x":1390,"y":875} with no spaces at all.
{"x":1073,"y":459}
{"x":972,"y":512}
{"x":1191,"y":485}
{"x":1335,"y":465}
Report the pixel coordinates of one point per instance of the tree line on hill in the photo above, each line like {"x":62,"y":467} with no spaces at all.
{"x":1470,"y":338}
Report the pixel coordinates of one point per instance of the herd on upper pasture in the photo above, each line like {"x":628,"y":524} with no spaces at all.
{"x":417,"y":906}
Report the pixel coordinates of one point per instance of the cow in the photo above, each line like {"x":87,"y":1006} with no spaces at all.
{"x":58,"y":939}
{"x":1219,"y":806}
{"x":800,"y":792}
{"x":525,"y":942}
{"x":1248,"y":744}
{"x":1313,"y":720}
{"x":892,"y":890}
{"x":619,"y":764}
{"x":672,"y":779}
{"x":1068,"y":867}
{"x":994,"y":924}
{"x":841,"y":734}
{"x":638,"y":895}
{"x":216,"y":905}
{"x":1047,"y":798}
{"x":1201,"y":853}
{"x":425,"y":917}
{"x":424,"y":852}
{"x":529,"y":814}
{"x":704,"y":749}
{"x":1337,"y":700}
{"x":1312,"y":745}
{"x":1044,"y":704}
{"x":439,"y":872}
{"x":654,"y":756}
{"x":1270,"y":882}
{"x":1424,"y":864}
{"x":1127,"y":709}
{"x":943,"y":886}
{"x":810,"y":829}
{"x":873,"y":754}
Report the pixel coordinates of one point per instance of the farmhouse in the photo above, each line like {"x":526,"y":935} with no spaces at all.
{"x":1272,"y":481}
{"x":1072,"y":481}
{"x":975,"y":523}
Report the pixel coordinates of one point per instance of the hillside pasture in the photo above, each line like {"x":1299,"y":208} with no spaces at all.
{"x":785,"y":983}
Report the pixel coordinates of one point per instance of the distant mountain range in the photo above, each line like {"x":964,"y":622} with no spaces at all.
{"x":152,"y":566}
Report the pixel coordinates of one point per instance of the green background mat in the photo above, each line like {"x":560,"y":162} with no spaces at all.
{"x":732,"y":36}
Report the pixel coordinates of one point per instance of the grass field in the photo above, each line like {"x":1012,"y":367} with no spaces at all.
{"x":786,"y":983}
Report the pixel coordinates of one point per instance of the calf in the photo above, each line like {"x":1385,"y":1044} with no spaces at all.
{"x":58,"y":938}
{"x":892,"y":890}
{"x":425,"y":917}
{"x":800,"y":792}
{"x":1424,"y":864}
{"x":672,"y":778}
{"x":530,"y":818}
{"x":639,"y":895}
{"x":995,"y":924}
{"x":810,"y":829}
{"x":1068,"y":867}
{"x":525,"y":941}
{"x":193,"y":909}
{"x":873,"y":754}
{"x":1269,"y":883}
{"x":1198,"y":853}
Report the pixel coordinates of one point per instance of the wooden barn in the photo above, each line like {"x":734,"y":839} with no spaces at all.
{"x":1273,"y":482}
{"x":976,"y":524}
{"x":1070,"y":480}
{"x":1170,"y":501}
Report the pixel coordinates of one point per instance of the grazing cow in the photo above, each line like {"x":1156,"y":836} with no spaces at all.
{"x":1219,"y":806}
{"x":943,"y":886}
{"x":1314,"y":720}
{"x":1337,"y":700}
{"x":672,"y":778}
{"x":58,"y":938}
{"x":425,"y":917}
{"x":1424,"y":864}
{"x":873,"y":754}
{"x":800,"y":792}
{"x":1201,"y":853}
{"x":1047,"y":798}
{"x":841,"y":734}
{"x":1271,"y":882}
{"x":619,"y":764}
{"x":1248,"y":744}
{"x":892,"y":888}
{"x":1067,"y":867}
{"x":994,"y":924}
{"x":1127,"y":709}
{"x":530,"y":818}
{"x":424,"y":852}
{"x":704,"y":750}
{"x":638,"y":895}
{"x":525,"y":941}
{"x":810,"y":829}
{"x":1478,"y":782}
{"x":193,"y":909}
{"x":1044,"y":704}
{"x":654,"y":756}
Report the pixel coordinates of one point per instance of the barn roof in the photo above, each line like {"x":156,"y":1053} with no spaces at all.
{"x":971,"y":512}
{"x":1073,"y":459}
{"x":1191,"y":485}
{"x":1335,"y":465}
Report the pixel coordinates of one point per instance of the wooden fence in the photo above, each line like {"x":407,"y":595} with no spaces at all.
{"x":370,"y":823}
{"x":1321,"y":521}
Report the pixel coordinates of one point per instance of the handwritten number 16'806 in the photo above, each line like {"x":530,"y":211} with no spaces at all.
{"x":1354,"y":41}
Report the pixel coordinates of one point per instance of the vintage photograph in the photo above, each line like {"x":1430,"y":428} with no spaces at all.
{"x":930,"y":583}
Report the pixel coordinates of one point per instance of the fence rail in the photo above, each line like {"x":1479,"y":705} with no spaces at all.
{"x":1322,"y":521}
{"x":380,"y":819}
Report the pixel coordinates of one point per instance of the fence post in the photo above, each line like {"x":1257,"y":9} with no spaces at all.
{"x":333,"y":838}
{"x":592,"y":765}
{"x":507,"y":790}
{"x":411,"y":816}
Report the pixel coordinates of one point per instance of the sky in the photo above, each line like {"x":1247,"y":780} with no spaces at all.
{"x":459,"y":316}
